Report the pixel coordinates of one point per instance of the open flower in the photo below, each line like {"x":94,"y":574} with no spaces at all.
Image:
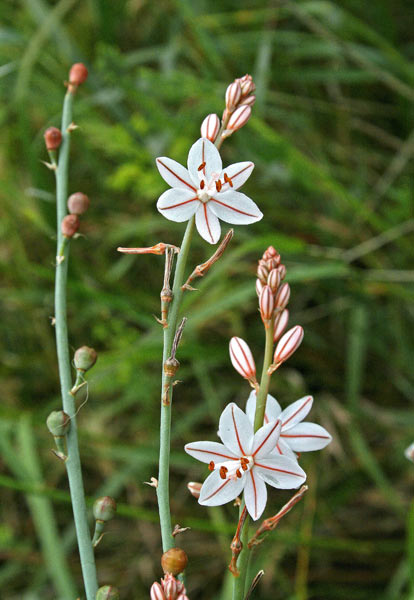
{"x":206,"y":190}
{"x":245,"y":461}
{"x":294,"y":436}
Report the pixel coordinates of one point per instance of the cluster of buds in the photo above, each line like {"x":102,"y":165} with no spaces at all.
{"x":78,"y":203}
{"x":170,"y":588}
{"x":239,"y":101}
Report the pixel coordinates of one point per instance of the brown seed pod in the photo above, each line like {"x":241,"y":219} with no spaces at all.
{"x":174,"y":561}
{"x":78,"y":74}
{"x":78,"y":203}
{"x":53,"y":138}
{"x":70,"y":225}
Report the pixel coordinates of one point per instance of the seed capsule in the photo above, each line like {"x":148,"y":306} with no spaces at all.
{"x":70,"y":225}
{"x":53,"y":138}
{"x":171,"y":366}
{"x":85,"y":358}
{"x":58,"y":423}
{"x":174,"y":561}
{"x":107,"y":592}
{"x":78,"y":74}
{"x":104,"y":508}
{"x":78,"y":203}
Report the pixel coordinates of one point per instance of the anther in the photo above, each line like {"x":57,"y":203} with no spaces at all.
{"x":202,"y":184}
{"x":244,"y":466}
{"x":223,"y":472}
{"x":218,"y":185}
{"x":238,"y":474}
{"x":201,"y":167}
{"x":228,"y":180}
{"x":211,"y":466}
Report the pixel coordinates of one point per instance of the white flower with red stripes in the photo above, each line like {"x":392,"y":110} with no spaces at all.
{"x":244,"y":461}
{"x":206,"y":190}
{"x":295,"y":436}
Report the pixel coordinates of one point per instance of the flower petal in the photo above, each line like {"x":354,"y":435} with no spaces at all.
{"x":235,"y":430}
{"x":273,"y":408}
{"x":283,"y":473}
{"x":296,"y":412}
{"x":209,"y":451}
{"x":235,"y":207}
{"x":216,"y":491}
{"x":265,"y":439}
{"x":255,"y":494}
{"x":283,"y":449}
{"x":175,"y":174}
{"x":177,"y":204}
{"x":238,"y":173}
{"x":207,"y":224}
{"x":305,"y":437}
{"x":203,"y":151}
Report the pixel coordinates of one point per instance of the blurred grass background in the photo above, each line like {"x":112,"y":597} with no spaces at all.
{"x":332,"y":138}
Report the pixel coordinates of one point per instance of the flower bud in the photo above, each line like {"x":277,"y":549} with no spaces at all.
{"x":281,"y":322}
{"x":282,"y":296}
{"x":53,"y":138}
{"x":58,"y":423}
{"x":183,"y":597}
{"x":233,"y":94}
{"x":78,"y":203}
{"x":288,"y":344}
{"x":70,"y":225}
{"x":104,"y":508}
{"x":247,"y":85}
{"x":85,"y":358}
{"x":273,"y":280}
{"x":270,"y":252}
{"x":107,"y":592}
{"x":174,"y":561}
{"x":266,"y":303}
{"x":194,"y":488}
{"x":262,"y":273}
{"x":249,"y":101}
{"x":242,"y":358}
{"x":170,"y":589}
{"x":282,"y":271}
{"x":259,"y":286}
{"x":210,"y":127}
{"x":156,"y":592}
{"x":78,"y":74}
{"x":239,"y":118}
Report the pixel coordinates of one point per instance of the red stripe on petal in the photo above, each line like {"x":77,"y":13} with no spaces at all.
{"x":217,"y":490}
{"x":277,"y":470}
{"x":207,"y":223}
{"x":179,"y":204}
{"x":241,"y":171}
{"x":255,"y":493}
{"x":320,"y":437}
{"x":266,"y":438}
{"x":177,"y":176}
{"x":308,"y":399}
{"x":210,"y":452}
{"x":241,"y":212}
{"x":237,"y":433}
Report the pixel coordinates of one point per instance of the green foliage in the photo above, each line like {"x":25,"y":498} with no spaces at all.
{"x":333,"y":146}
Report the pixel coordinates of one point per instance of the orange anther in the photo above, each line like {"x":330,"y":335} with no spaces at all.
{"x":211,"y":466}
{"x":218,"y":185}
{"x":228,"y":180}
{"x":238,"y":474}
{"x":201,"y":167}
{"x":202,"y":184}
{"x":223,"y":472}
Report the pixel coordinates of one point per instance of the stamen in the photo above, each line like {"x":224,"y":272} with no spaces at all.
{"x":238,"y":474}
{"x":201,"y":167}
{"x":202,"y":184}
{"x":244,"y":467}
{"x":218,"y":185}
{"x":228,"y":180}
{"x":211,"y":466}
{"x":223,"y":472}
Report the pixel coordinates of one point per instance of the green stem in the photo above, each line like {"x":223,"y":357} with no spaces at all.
{"x":165,"y":428}
{"x":73,"y":464}
{"x":239,"y":587}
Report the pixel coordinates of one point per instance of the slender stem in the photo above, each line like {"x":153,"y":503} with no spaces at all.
{"x":73,"y":464}
{"x":165,"y":428}
{"x":239,"y":588}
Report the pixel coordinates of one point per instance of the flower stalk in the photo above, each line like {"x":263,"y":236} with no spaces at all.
{"x":72,"y":463}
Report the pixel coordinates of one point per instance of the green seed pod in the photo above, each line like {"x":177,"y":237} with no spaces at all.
{"x":85,"y":358}
{"x":174,"y":561}
{"x":107,"y":592}
{"x":104,"y":508}
{"x":58,"y":423}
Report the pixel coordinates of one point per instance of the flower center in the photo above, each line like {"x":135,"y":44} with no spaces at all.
{"x":233,"y":469}
{"x":207,"y":189}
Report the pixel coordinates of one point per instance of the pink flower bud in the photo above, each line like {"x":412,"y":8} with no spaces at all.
{"x":282,"y":271}
{"x":239,"y":118}
{"x":78,"y":74}
{"x":281,"y":322}
{"x":262,"y":273}
{"x":157,"y":592}
{"x":273,"y":280}
{"x":288,"y":344}
{"x":194,"y":488}
{"x":270,"y":252}
{"x":242,"y":358}
{"x":233,"y":94}
{"x":249,"y":101}
{"x":170,"y":589}
{"x":259,"y":287}
{"x":266,"y":303}
{"x":183,"y":597}
{"x":53,"y":138}
{"x":247,"y":85}
{"x":282,"y":296}
{"x":210,"y":127}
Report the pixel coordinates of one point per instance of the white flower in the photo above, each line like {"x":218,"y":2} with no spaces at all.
{"x":206,"y":190}
{"x":245,"y":461}
{"x":294,"y":436}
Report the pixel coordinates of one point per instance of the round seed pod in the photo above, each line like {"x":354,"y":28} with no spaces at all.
{"x":70,"y":225}
{"x":107,"y":592}
{"x":53,"y":138}
{"x":58,"y":423}
{"x":78,"y":74}
{"x":171,"y":366}
{"x":78,"y":203}
{"x":104,"y":508}
{"x":85,"y":358}
{"x":174,"y":561}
